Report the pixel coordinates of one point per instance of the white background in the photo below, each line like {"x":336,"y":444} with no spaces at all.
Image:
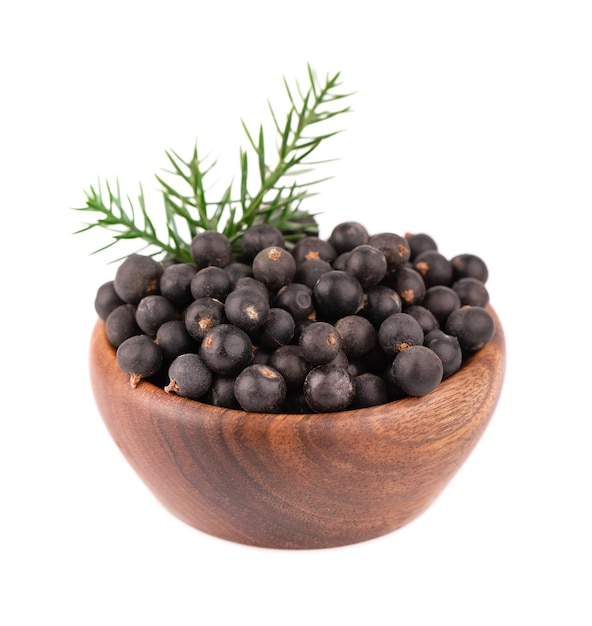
{"x":472,"y":122}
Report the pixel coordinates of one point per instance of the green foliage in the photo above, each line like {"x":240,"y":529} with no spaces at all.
{"x":277,"y":199}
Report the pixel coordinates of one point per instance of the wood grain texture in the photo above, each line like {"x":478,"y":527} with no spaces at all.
{"x":297,"y":481}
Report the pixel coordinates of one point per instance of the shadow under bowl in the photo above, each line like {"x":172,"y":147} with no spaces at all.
{"x":297,"y":481}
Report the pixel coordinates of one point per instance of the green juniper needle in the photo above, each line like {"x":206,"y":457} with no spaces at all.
{"x":276,"y":201}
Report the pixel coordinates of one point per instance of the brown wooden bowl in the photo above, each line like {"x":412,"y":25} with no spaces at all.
{"x":298,"y":481}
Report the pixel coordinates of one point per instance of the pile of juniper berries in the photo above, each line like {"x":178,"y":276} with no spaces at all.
{"x":326,"y":325}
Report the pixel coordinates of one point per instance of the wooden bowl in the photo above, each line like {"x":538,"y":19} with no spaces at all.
{"x":298,"y":481}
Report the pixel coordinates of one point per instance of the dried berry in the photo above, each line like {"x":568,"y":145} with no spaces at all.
{"x":310,"y":271}
{"x":369,"y":390}
{"x":138,"y":276}
{"x":340,"y":261}
{"x":358,"y":335}
{"x":347,"y":235}
{"x":367,"y":264}
{"x":380,"y":302}
{"x":297,"y":299}
{"x":471,"y":291}
{"x":416,"y":371}
{"x":258,"y":237}
{"x":472,"y":325}
{"x":464,"y":265}
{"x":211,"y":248}
{"x":173,"y":339}
{"x":337,"y":294}
{"x":226,"y":349}
{"x":152,"y":312}
{"x":247,"y":308}
{"x":328,"y":388}
{"x":251,"y":281}
{"x":106,"y":300}
{"x":260,"y":388}
{"x":394,"y":247}
{"x":175,"y":283}
{"x":399,"y":332}
{"x":202,"y":315}
{"x":277,"y":331}
{"x":319,"y":343}
{"x":221,"y":392}
{"x":418,"y":243}
{"x":409,"y":284}
{"x":427,"y":320}
{"x":434,"y":267}
{"x":274,"y":267}
{"x":288,"y":360}
{"x":313,"y":247}
{"x":140,"y":357}
{"x":237,"y":270}
{"x":447,"y":348}
{"x":441,"y":300}
{"x":121,"y":324}
{"x":212,"y":281}
{"x":189,"y":377}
